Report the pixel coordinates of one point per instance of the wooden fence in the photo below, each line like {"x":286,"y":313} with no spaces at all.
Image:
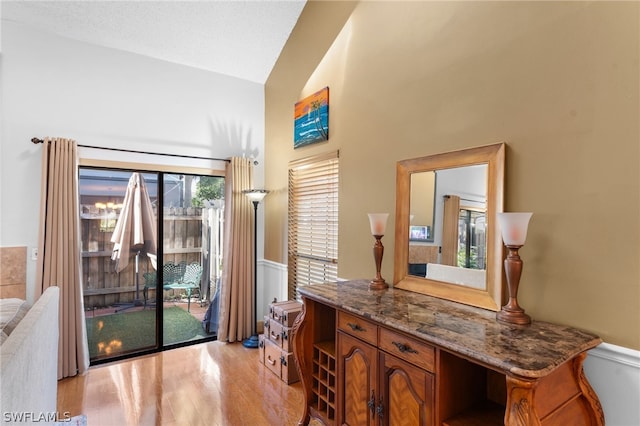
{"x":182,"y":241}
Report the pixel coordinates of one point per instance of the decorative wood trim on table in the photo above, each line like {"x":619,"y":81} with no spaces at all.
{"x":301,"y":348}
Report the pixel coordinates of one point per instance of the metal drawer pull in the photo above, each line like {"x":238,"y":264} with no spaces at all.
{"x":275,"y":336}
{"x":271,"y":361}
{"x":404,"y":348}
{"x":372,"y":403}
{"x":380,"y":409}
{"x":355,"y":327}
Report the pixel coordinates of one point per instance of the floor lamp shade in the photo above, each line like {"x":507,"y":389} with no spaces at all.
{"x":255,"y":195}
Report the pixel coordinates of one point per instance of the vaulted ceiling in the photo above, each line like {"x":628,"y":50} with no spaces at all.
{"x":237,"y":38}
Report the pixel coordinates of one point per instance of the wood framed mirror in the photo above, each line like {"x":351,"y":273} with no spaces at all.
{"x":462,"y":259}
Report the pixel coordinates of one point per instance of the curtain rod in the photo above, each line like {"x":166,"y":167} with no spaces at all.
{"x":37,"y":141}
{"x":466,"y":199}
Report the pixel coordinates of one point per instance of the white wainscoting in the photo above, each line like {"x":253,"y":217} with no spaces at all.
{"x":272,"y":283}
{"x":613,"y":371}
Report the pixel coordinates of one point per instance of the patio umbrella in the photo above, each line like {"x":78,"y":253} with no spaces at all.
{"x":135,"y":230}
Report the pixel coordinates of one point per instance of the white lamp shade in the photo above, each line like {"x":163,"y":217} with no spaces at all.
{"x":256,"y":194}
{"x":378,"y":222}
{"x":514,"y":227}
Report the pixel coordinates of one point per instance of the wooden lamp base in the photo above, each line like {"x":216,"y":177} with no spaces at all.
{"x":512,"y":313}
{"x":378,"y":283}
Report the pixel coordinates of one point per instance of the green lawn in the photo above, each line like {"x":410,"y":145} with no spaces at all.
{"x":120,"y":333}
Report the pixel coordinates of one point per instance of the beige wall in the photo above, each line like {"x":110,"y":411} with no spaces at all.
{"x":558,"y":82}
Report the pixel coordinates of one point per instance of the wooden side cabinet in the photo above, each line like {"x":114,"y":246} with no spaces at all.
{"x":401,"y":358}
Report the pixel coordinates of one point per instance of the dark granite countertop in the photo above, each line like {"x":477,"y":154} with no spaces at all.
{"x":528,"y":351}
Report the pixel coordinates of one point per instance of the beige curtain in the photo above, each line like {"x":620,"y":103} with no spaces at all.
{"x":236,"y":292}
{"x":59,"y":246}
{"x":450,"y":230}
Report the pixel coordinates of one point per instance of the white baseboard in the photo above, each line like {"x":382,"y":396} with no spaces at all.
{"x":614,"y":373}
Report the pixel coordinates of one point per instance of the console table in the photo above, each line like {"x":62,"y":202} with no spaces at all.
{"x":402,"y":358}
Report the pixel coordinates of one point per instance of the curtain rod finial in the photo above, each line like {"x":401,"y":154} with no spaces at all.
{"x":36,"y":140}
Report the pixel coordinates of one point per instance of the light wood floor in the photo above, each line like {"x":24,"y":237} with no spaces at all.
{"x":206,"y":384}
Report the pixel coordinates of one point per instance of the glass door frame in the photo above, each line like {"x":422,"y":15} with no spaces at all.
{"x":159,"y":299}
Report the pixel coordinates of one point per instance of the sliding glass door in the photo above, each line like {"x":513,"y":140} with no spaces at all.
{"x":192,"y":255}
{"x":149,"y":239}
{"x":118,"y":252}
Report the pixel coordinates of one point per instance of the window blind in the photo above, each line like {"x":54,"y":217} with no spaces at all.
{"x":313,"y":221}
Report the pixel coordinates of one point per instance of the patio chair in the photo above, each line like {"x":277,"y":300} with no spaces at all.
{"x":150,"y":282}
{"x":172,"y":273}
{"x":189,"y":282}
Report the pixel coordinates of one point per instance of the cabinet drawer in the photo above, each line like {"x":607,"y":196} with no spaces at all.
{"x":358,"y":327}
{"x":285,"y":312}
{"x":280,"y":334}
{"x":274,"y":332}
{"x":407,"y":348}
{"x":281,"y":363}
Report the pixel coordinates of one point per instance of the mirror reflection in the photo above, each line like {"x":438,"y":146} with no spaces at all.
{"x":446,"y":241}
{"x":447,"y":232}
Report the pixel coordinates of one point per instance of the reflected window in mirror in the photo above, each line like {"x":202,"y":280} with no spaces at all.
{"x":472,"y":249}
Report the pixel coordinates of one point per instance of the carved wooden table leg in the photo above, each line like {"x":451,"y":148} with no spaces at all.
{"x":302,"y":358}
{"x":520,"y":403}
{"x":561,"y":397}
{"x":587,"y":391}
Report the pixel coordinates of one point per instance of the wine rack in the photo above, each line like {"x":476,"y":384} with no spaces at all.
{"x":324,"y":379}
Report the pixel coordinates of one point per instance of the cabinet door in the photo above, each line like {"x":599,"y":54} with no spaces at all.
{"x":358,"y":364}
{"x":407,"y":393}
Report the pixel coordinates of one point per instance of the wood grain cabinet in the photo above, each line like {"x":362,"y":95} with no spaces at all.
{"x":357,"y":381}
{"x":407,"y":393}
{"x":399,"y":358}
{"x":378,"y":388}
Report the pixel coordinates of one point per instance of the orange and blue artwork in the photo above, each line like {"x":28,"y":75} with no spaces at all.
{"x":311,"y":119}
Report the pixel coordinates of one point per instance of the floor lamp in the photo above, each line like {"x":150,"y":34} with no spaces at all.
{"x":255,"y":195}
